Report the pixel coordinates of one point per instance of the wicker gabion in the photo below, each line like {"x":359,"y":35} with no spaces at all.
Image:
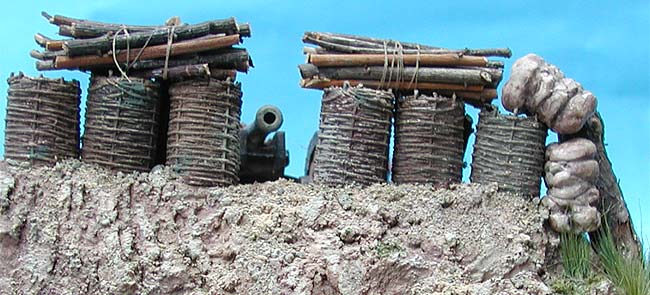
{"x":429,"y":139}
{"x":203,"y":136}
{"x":122,"y":122}
{"x":42,"y":119}
{"x":354,"y":136}
{"x":509,"y":150}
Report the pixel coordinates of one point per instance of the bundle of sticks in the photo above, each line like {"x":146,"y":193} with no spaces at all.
{"x":166,"y":51}
{"x":401,"y":66}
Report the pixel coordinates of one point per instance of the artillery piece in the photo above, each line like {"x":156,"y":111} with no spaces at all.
{"x":261,"y":159}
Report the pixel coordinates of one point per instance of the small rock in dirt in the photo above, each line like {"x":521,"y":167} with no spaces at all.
{"x":349,"y":234}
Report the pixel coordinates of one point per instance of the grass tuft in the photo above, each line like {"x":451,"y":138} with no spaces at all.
{"x":631,"y":276}
{"x":575,"y":252}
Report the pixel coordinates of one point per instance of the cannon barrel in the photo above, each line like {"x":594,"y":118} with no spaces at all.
{"x":268,"y":119}
{"x":261,"y":159}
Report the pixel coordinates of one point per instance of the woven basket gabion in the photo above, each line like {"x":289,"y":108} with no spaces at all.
{"x":42,"y":119}
{"x":354,"y":136}
{"x":203,"y":136}
{"x":429,"y":139}
{"x":509,"y":150}
{"x":122,"y":122}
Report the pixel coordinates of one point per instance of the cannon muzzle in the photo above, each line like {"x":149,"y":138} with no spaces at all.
{"x":268,"y":119}
{"x":261,"y":159}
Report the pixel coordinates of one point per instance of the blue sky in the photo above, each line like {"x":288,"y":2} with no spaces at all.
{"x":604,"y":45}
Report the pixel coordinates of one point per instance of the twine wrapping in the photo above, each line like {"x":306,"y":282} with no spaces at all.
{"x":509,"y":150}
{"x":122,"y":122}
{"x":429,"y":142}
{"x":203,"y":136}
{"x":396,"y":67}
{"x":42,"y":119}
{"x":354,"y":135}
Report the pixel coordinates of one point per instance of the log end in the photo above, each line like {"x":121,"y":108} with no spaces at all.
{"x":507,"y":53}
{"x":47,"y":16}
{"x":66,"y":31}
{"x":308,"y":71}
{"x":41,"y":39}
{"x":36,"y":54}
{"x":45,"y":65}
{"x":244,"y":30}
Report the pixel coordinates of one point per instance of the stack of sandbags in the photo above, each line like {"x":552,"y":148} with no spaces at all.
{"x":401,"y":66}
{"x":570,"y":173}
{"x":169,"y":51}
{"x":538,"y":88}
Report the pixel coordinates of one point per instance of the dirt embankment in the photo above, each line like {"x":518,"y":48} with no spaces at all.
{"x":79,"y":229}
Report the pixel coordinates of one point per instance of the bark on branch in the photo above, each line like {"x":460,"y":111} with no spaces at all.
{"x":80,"y":28}
{"x":104,"y":44}
{"x":325,"y":83}
{"x":366,"y":42}
{"x":45,"y":55}
{"x":469,"y":76}
{"x":351,"y":45}
{"x":225,"y":58}
{"x":47,"y":43}
{"x":187,"y":71}
{"x":349,"y":60}
{"x":180,"y":48}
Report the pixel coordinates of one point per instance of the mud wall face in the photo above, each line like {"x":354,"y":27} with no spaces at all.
{"x":79,"y":229}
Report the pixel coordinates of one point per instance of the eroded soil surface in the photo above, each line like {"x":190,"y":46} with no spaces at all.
{"x":80,"y":229}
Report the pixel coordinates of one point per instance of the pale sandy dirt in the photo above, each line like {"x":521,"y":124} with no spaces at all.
{"x":80,"y":229}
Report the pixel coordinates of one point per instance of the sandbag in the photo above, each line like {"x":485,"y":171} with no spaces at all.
{"x":563,"y":173}
{"x":570,"y":174}
{"x":538,"y":88}
{"x":579,"y":108}
{"x":575,"y":149}
{"x":585,"y":218}
{"x":521,"y":81}
{"x":560,"y":95}
{"x":571,"y":191}
{"x":547,"y":77}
